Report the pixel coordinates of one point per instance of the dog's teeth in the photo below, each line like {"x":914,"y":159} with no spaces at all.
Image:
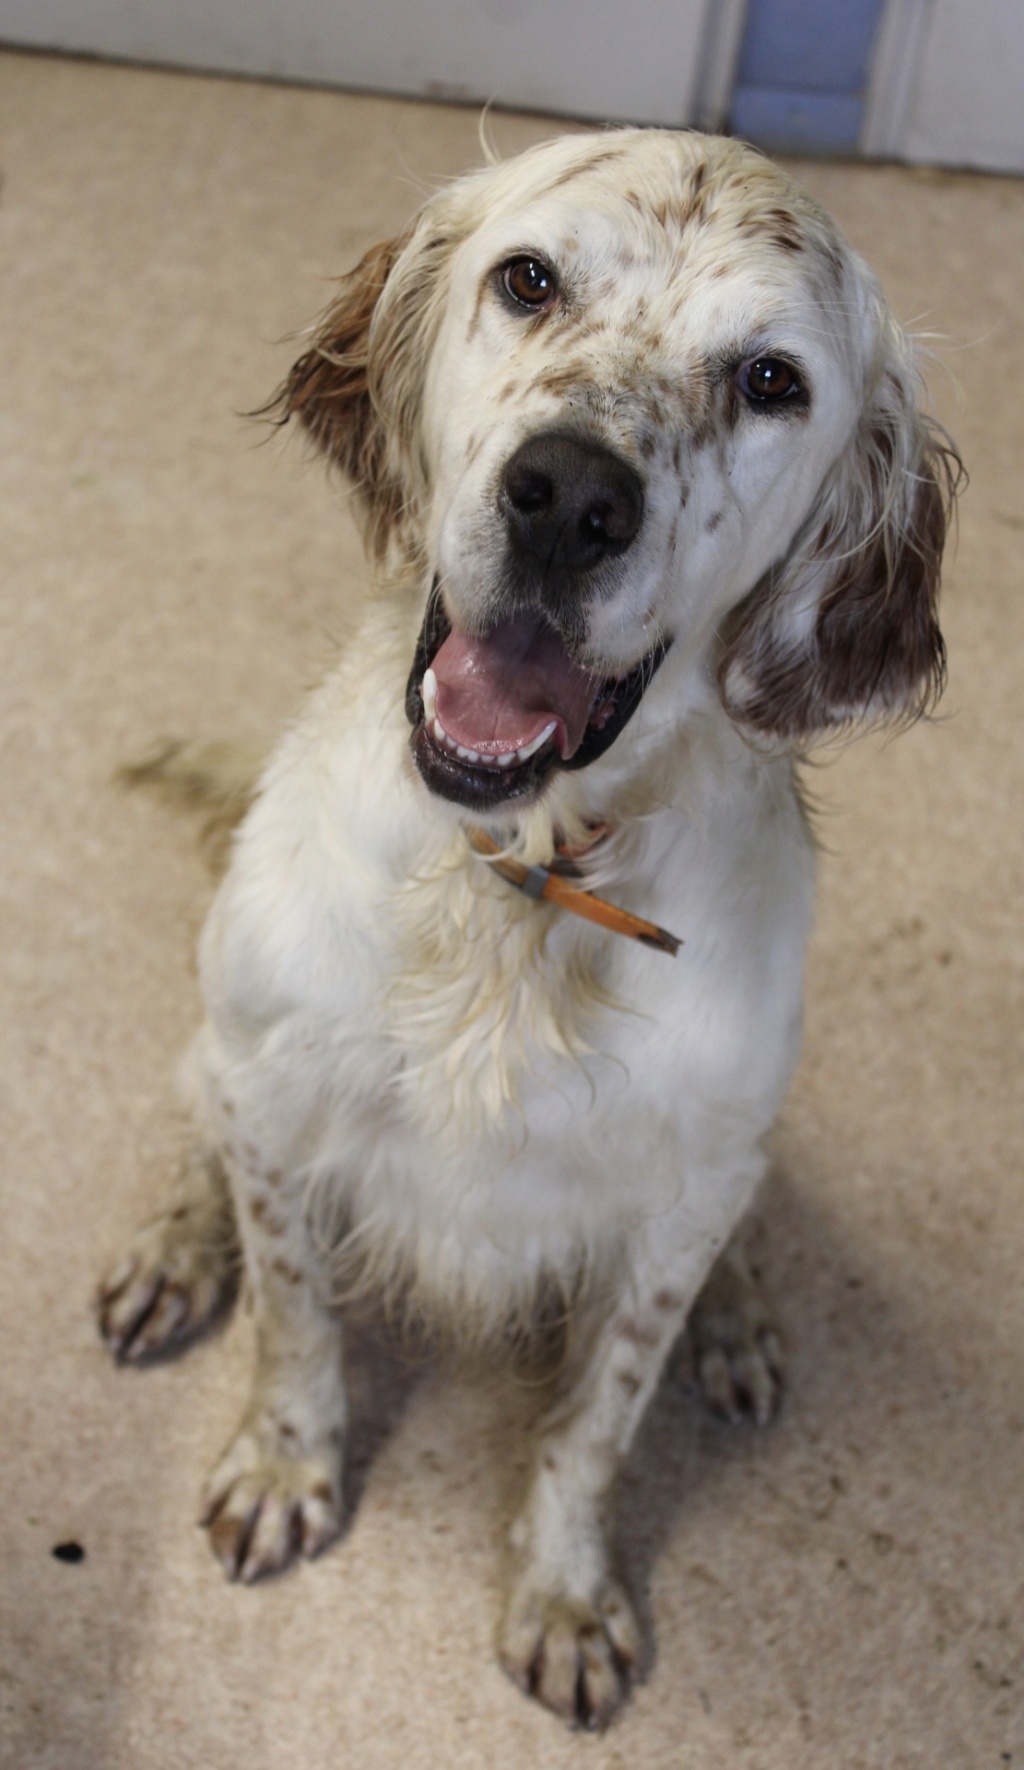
{"x":531,"y":749}
{"x":462,"y":751}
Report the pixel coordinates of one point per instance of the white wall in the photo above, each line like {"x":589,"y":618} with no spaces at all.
{"x":635,"y":59}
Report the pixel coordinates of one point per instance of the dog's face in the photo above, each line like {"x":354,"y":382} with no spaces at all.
{"x":628,"y":393}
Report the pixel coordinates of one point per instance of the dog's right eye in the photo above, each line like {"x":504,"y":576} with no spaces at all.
{"x":529,"y":283}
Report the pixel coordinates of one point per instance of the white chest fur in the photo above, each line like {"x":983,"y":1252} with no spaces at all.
{"x":478,"y":1085}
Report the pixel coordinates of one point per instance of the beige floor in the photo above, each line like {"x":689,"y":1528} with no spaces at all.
{"x":846,"y":1590}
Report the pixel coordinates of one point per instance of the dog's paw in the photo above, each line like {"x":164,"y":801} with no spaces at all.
{"x":575,"y":1655}
{"x":263,"y":1507}
{"x":736,"y":1347}
{"x":175,"y":1276}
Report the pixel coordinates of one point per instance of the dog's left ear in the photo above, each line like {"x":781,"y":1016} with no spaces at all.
{"x":357,"y":389}
{"x":845,"y":627}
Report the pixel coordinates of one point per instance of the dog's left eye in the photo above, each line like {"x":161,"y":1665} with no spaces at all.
{"x":770,"y":381}
{"x":529,"y":282}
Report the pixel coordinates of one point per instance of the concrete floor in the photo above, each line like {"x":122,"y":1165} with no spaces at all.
{"x":845,"y":1590}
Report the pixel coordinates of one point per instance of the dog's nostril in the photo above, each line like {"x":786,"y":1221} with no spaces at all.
{"x":529,"y":491}
{"x":612,"y":521}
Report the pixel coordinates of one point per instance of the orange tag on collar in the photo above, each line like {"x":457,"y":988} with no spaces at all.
{"x":549,"y":886}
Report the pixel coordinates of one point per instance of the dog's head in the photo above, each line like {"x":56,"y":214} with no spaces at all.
{"x":626,"y":393}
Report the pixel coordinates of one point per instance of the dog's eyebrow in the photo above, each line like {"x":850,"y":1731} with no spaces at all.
{"x":604,"y":157}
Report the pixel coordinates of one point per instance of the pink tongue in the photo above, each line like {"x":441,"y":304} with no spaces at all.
{"x":497,"y":693}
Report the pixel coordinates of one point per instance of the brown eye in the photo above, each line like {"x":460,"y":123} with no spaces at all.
{"x":529,"y":282}
{"x":768,"y":381}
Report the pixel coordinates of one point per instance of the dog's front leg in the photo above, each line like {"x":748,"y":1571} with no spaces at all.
{"x":276,"y":1492}
{"x":569,"y":1634}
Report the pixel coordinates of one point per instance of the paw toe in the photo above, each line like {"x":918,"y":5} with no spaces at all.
{"x":576,"y":1656}
{"x":263,"y":1511}
{"x":167,"y":1287}
{"x":742,"y":1381}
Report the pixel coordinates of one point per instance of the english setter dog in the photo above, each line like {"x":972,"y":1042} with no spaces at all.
{"x":651,"y":504}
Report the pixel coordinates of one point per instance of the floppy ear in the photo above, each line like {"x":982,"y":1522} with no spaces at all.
{"x":845,"y":627}
{"x":357,"y":389}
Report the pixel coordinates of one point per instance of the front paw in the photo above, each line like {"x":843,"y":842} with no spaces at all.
{"x":265,"y":1504}
{"x":576,"y":1654}
{"x":177,"y":1274}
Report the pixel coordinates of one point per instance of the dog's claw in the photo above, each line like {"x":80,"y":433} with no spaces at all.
{"x":577,"y":1656}
{"x":738,"y":1362}
{"x":742,"y":1383}
{"x":263,"y":1510}
{"x":168,"y":1286}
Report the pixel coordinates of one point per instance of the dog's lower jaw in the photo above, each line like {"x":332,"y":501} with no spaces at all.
{"x":479,"y":789}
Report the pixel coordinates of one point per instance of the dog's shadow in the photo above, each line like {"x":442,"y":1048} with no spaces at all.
{"x":382,"y":1373}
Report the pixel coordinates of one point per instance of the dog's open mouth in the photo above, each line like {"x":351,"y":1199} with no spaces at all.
{"x":493,"y":715}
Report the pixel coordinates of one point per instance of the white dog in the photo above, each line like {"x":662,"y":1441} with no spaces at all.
{"x":636,"y":443}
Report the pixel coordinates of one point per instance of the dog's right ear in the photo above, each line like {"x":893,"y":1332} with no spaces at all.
{"x":329,"y":391}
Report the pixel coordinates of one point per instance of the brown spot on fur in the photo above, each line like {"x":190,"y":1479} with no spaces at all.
{"x":289,"y":1273}
{"x":667,"y":1300}
{"x":287,"y":1431}
{"x":228,"y":1108}
{"x":550,"y":1461}
{"x":629,"y":1381}
{"x":261,"y":1214}
{"x":639,"y":1333}
{"x":784,"y":230}
{"x":714,"y":521}
{"x":876,"y":645}
{"x":562,"y":378}
{"x":602,"y":158}
{"x":322,"y":1491}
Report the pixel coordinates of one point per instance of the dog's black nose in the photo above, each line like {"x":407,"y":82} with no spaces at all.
{"x":569,"y":504}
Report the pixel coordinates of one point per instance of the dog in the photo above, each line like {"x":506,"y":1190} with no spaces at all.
{"x":651,"y":505}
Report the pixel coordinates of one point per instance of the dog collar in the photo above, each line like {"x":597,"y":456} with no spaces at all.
{"x":554,"y":885}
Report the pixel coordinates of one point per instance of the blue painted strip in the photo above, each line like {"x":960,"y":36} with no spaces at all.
{"x":809,"y":45}
{"x":796,"y":122}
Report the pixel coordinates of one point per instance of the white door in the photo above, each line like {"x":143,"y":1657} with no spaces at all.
{"x":948,"y":84}
{"x":649,"y":60}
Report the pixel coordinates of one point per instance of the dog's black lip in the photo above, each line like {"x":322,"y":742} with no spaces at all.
{"x":481,"y":789}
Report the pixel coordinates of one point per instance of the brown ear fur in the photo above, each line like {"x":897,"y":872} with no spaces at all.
{"x":331,"y":392}
{"x":846,"y":627}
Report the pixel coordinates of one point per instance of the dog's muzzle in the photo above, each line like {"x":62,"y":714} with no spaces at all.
{"x":494,"y":713}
